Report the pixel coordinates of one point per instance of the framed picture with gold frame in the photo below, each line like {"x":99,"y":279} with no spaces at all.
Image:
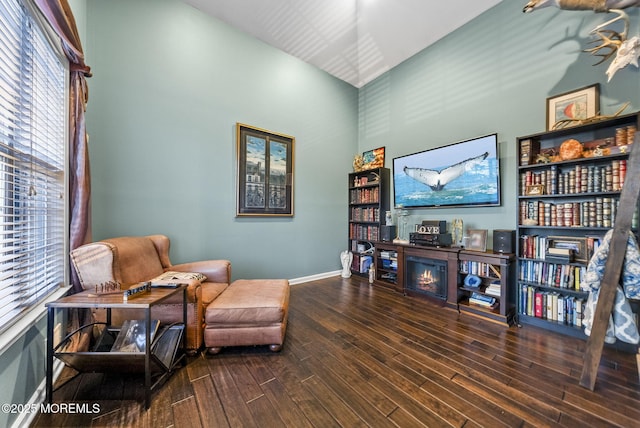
{"x":534,"y":190}
{"x":265,"y":172}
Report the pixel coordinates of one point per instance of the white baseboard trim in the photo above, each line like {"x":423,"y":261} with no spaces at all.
{"x":315,"y":277}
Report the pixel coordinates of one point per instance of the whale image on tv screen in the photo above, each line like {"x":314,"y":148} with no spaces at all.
{"x":466,"y":173}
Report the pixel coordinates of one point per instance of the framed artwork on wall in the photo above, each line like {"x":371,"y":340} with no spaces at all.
{"x":265,"y":172}
{"x":568,"y":109}
{"x":372,"y":159}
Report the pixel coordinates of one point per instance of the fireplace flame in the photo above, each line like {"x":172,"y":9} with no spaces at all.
{"x":426,"y":278}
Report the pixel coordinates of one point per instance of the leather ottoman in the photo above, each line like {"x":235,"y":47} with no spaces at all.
{"x":248,"y":312}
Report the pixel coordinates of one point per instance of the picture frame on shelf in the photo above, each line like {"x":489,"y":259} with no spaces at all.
{"x":576,"y":105}
{"x":372,"y":159}
{"x":264,"y":179}
{"x":534,"y":190}
{"x":577,"y":244}
{"x":477,"y":240}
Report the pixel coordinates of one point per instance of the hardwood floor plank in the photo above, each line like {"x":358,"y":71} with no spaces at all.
{"x":246,"y":384}
{"x":210,"y":408}
{"x":291,"y":374}
{"x":235,"y":408}
{"x":532,"y":411}
{"x":185,"y":413}
{"x":286,"y":408}
{"x":340,"y":411}
{"x":264,"y":412}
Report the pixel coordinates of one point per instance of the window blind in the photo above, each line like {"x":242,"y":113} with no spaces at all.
{"x":32,"y":163}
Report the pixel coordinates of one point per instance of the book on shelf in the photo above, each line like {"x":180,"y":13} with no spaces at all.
{"x":529,"y":149}
{"x":132,"y":336}
{"x":482,"y":300}
{"x":493,"y":289}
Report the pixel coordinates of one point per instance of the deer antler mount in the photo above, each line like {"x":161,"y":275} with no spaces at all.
{"x":611,"y":42}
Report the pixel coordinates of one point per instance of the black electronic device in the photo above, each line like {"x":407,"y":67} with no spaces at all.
{"x":387,"y":233}
{"x":504,"y":241}
{"x":430,"y":239}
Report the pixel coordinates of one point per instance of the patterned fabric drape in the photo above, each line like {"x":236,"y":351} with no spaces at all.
{"x":60,"y":17}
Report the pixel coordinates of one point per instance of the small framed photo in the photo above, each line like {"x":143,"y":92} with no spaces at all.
{"x":373,"y":159}
{"x":534,"y":190}
{"x":265,"y":172}
{"x":568,"y":109}
{"x":477,"y":240}
{"x":577,"y":244}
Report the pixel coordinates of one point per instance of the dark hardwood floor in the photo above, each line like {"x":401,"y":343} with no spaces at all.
{"x":357,"y":355}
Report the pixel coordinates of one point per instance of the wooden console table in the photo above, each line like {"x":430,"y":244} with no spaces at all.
{"x":390,"y":266}
{"x":101,"y":359}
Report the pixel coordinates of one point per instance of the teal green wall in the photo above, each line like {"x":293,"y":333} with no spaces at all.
{"x":169,"y":84}
{"x":492,"y":75}
{"x":22,"y":369}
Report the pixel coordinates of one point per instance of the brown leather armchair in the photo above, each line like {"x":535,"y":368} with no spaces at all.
{"x":132,"y":259}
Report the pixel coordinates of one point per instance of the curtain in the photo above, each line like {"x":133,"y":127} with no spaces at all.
{"x":59,"y":15}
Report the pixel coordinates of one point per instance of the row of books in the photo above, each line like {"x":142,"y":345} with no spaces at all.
{"x":551,"y":306}
{"x":487,"y":270}
{"x":552,"y":274}
{"x":579,"y":179}
{"x":363,"y":232}
{"x":371,"y":214}
{"x":597,"y":212}
{"x":364,"y":196}
{"x":537,"y":246}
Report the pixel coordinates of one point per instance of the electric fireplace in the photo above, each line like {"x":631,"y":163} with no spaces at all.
{"x":426,"y":276}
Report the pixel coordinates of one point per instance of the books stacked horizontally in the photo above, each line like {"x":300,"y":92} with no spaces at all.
{"x":493,"y":289}
{"x":482,"y":300}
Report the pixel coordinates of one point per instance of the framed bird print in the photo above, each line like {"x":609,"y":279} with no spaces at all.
{"x":463,"y":174}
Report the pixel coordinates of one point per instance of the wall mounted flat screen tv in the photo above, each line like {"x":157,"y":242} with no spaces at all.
{"x":463,"y":174}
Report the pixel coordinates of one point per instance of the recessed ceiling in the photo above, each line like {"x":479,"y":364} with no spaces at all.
{"x":354,"y":40}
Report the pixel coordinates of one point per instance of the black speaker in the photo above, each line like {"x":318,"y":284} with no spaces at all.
{"x":387,"y":233}
{"x":504,"y":241}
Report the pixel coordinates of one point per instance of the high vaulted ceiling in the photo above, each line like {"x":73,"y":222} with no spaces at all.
{"x":354,"y":40}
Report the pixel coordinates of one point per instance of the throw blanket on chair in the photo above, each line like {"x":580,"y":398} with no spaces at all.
{"x":622,"y":324}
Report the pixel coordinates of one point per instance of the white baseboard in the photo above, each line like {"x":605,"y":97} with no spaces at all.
{"x":315,"y":277}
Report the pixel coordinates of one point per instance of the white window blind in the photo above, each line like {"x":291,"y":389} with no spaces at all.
{"x":32,"y":164}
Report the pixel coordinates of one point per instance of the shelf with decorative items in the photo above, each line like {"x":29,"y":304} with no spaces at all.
{"x":368,"y":203}
{"x":569,"y":186}
{"x":484,"y":279}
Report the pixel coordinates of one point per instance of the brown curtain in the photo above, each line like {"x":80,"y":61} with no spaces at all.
{"x":59,"y":15}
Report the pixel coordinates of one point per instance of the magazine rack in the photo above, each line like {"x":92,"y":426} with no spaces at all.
{"x":157,"y":362}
